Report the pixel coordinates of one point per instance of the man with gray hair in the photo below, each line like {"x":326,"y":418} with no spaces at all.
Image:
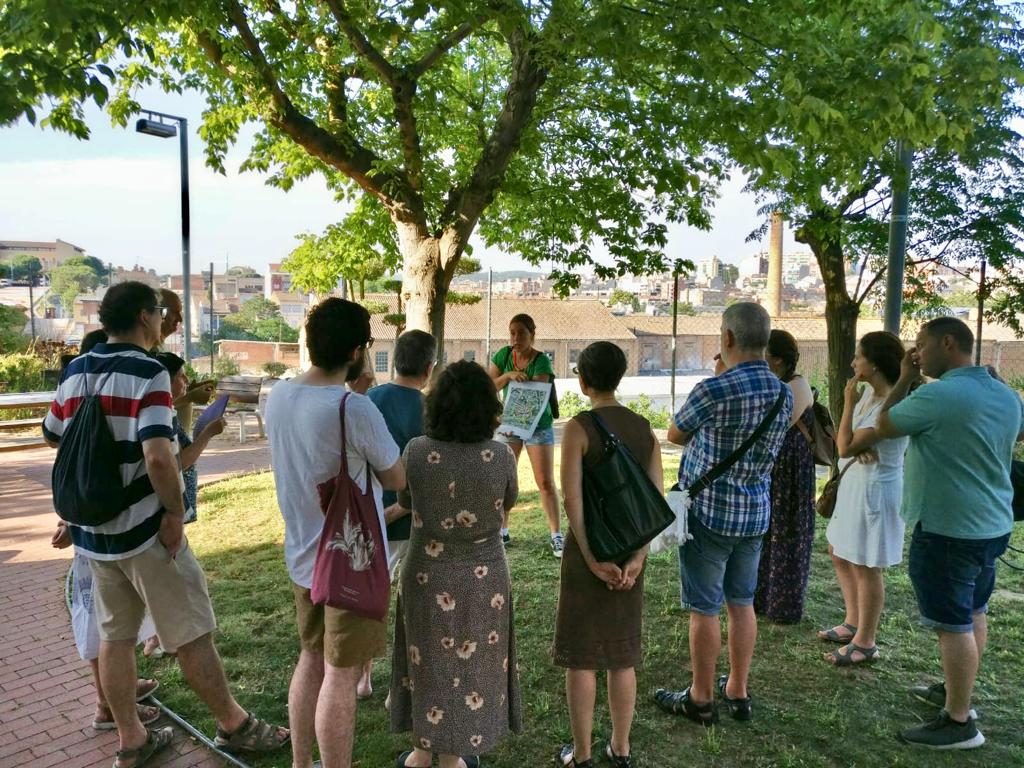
{"x":729,"y":516}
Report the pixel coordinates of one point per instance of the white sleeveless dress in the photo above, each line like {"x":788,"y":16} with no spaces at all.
{"x":866,"y":528}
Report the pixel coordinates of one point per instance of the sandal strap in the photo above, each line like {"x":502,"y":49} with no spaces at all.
{"x":254,"y":735}
{"x":155,"y":740}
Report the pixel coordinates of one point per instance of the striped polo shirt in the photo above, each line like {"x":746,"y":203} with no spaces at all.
{"x":135,"y":393}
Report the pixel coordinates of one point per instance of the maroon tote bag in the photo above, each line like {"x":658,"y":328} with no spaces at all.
{"x":351,"y":568}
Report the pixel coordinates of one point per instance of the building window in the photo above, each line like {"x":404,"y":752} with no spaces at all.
{"x":574,"y":356}
{"x":380,"y":362}
{"x":469,"y":355}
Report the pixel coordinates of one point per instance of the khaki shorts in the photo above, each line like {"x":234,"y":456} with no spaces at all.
{"x":343,"y":638}
{"x":173,"y":591}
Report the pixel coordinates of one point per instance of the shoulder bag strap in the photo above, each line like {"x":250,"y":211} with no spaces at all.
{"x":607,"y":436}
{"x":344,"y":444}
{"x":803,"y":430}
{"x":726,"y":464}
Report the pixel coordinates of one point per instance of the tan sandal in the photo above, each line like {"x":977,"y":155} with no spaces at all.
{"x":254,"y":735}
{"x":145,"y":688}
{"x":156,"y":740}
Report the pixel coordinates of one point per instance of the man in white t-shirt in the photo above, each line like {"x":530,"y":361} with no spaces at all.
{"x":305,"y":443}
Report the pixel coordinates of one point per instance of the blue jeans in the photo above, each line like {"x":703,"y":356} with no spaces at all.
{"x":714,"y":569}
{"x":953,"y":578}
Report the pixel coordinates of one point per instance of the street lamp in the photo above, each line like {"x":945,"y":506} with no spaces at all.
{"x":163,"y":130}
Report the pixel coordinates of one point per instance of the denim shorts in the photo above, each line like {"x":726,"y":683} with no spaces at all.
{"x":539,"y":437}
{"x":714,"y":569}
{"x":953,"y":578}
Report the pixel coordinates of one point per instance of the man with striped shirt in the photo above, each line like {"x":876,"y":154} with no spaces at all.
{"x":140,"y":559}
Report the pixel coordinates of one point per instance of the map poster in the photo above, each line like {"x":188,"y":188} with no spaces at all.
{"x":524,"y":405}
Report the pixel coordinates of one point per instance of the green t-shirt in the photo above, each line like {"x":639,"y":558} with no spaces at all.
{"x":962,"y":430}
{"x":540,"y":365}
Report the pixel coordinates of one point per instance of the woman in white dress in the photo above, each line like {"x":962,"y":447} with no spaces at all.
{"x":865,"y":533}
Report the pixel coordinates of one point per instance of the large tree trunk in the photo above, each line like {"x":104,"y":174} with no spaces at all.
{"x":841,"y":311}
{"x":428,"y":267}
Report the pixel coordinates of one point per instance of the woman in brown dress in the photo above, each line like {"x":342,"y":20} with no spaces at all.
{"x":454,"y":681}
{"x":600,"y":605}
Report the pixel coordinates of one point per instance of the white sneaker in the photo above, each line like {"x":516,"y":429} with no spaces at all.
{"x":557,"y":545}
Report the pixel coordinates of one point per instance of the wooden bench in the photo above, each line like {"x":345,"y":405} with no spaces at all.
{"x":243,"y":399}
{"x":17,"y":401}
{"x":17,"y":424}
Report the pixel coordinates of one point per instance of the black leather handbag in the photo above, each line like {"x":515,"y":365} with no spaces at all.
{"x":622,"y":509}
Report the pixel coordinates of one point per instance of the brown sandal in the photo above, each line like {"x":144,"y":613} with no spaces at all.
{"x":145,"y":688}
{"x":155,"y":741}
{"x":254,"y":735}
{"x":146,"y":713}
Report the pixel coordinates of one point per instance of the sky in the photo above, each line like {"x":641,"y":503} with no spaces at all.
{"x":116,"y":195}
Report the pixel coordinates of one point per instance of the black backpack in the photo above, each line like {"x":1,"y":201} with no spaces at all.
{"x":552,"y":396}
{"x":87,"y":485}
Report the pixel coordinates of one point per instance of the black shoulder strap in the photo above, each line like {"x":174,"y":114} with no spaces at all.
{"x":726,"y":464}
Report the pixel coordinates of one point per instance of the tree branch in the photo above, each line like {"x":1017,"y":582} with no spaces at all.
{"x":466,"y":204}
{"x":445,"y":44}
{"x":342,"y":152}
{"x":856,"y":194}
{"x":359,"y":41}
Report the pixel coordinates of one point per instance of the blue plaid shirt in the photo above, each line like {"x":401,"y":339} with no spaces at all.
{"x":722,"y":412}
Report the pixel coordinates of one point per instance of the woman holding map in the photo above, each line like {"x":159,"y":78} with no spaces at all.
{"x":520,"y":362}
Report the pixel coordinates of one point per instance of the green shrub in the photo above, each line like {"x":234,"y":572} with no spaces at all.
{"x":643,"y":406}
{"x":275,"y":369}
{"x":21,"y":372}
{"x":226,"y":366}
{"x":570,"y":404}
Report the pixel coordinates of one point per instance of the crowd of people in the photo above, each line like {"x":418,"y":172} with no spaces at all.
{"x":934,"y":458}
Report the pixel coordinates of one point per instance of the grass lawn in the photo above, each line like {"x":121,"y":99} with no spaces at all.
{"x":807,"y":713}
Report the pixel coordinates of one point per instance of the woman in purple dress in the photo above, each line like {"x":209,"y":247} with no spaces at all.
{"x":786,"y":552}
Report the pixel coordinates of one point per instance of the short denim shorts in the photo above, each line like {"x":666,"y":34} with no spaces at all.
{"x":953,"y":578}
{"x":714,"y":569}
{"x":539,"y":437}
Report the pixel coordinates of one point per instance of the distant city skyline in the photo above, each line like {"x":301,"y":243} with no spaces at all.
{"x":116,"y":196}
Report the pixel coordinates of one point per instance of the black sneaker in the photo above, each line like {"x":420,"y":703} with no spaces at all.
{"x":945,"y":733}
{"x":557,"y":545}
{"x":680,"y":703}
{"x":739,"y":709}
{"x":935,"y":695}
{"x":506,"y":539}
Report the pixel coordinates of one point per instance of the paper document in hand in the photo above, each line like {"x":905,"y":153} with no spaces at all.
{"x":212,"y":412}
{"x":524,"y":405}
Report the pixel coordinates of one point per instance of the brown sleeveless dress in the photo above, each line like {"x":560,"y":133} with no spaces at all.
{"x":597,"y":628}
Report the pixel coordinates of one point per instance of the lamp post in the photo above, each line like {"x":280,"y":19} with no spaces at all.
{"x":164,"y":130}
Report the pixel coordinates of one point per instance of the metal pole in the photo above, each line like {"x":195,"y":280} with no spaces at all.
{"x":490,"y":284}
{"x":675,"y":326}
{"x":32,"y":304}
{"x":211,"y":320}
{"x":898,"y":237}
{"x":186,"y":268}
{"x":981,"y":314}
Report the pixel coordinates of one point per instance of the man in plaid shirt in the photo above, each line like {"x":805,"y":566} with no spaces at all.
{"x":727,"y":519}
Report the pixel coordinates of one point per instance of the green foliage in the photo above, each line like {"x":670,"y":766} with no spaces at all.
{"x":225,"y":366}
{"x":69,"y":281}
{"x":375,"y":307}
{"x":12,"y":323}
{"x":275,"y":369}
{"x":91,"y":262}
{"x":570,"y":404}
{"x":258,"y":319}
{"x":242,"y":271}
{"x":21,"y":267}
{"x":21,"y":372}
{"x":462,"y":298}
{"x":730,"y":274}
{"x":685,"y":308}
{"x":659,"y":418}
{"x":623,"y":298}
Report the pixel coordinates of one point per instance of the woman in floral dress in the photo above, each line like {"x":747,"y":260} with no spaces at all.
{"x":454,"y":682}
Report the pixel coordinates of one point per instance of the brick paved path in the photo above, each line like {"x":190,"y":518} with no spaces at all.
{"x":46,"y":691}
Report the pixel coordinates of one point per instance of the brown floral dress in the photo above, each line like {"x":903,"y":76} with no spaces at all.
{"x":454,"y":679}
{"x":786,"y":552}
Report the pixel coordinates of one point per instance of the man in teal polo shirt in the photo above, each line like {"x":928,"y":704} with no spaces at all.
{"x":957,"y":498}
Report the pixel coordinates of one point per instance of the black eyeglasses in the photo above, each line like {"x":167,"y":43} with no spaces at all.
{"x":369,"y":343}
{"x":162,"y":310}
{"x":575,"y":371}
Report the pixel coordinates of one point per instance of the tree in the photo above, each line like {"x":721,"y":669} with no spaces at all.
{"x":242,"y":272}
{"x":258,"y":319}
{"x":945,"y":72}
{"x":23,"y":267}
{"x":684,"y":308}
{"x":69,"y":281}
{"x":730,"y":275}
{"x":362,"y":247}
{"x":12,"y":325}
{"x":90,"y":262}
{"x":550,"y":129}
{"x":623,"y":298}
